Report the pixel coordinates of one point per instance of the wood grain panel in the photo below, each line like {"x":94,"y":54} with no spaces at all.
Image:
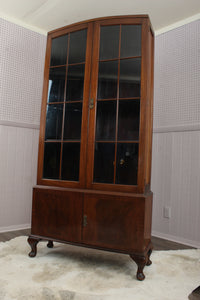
{"x":57,"y":214}
{"x":115,"y":222}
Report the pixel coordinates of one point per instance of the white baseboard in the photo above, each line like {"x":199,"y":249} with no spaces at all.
{"x":176,"y":239}
{"x":15,"y":227}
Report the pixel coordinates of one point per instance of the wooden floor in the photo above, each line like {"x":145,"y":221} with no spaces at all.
{"x":159,"y":244}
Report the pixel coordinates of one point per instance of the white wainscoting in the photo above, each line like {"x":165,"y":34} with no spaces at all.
{"x":18,"y":168}
{"x":176,"y":184}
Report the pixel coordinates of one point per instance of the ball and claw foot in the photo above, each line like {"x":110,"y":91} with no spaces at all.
{"x":50,"y":244}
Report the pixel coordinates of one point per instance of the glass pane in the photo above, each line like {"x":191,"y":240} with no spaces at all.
{"x":75,"y":82}
{"x":130,"y":40}
{"x":70,"y":161}
{"x":54,"y":118}
{"x":77,"y":46}
{"x":129,"y":82}
{"x":129,"y":120}
{"x":73,"y":117}
{"x":105,"y":120}
{"x":59,"y":51}
{"x":109,"y":42}
{"x":107,"y":84}
{"x":56,"y":84}
{"x":127,"y":164}
{"x":51,"y":160}
{"x":103,"y":162}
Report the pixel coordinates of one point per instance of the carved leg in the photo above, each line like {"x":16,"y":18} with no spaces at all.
{"x":33,"y":243}
{"x":141,"y":262}
{"x":149,"y":262}
{"x":50,"y":244}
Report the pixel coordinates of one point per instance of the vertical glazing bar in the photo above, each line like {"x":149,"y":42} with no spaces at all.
{"x":63,"y":121}
{"x":117,"y":108}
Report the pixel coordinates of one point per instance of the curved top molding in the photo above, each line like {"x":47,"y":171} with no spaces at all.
{"x":101,"y":20}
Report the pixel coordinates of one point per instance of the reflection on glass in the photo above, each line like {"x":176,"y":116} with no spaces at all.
{"x":75,"y":82}
{"x":73,"y":117}
{"x":51,"y":160}
{"x":109,"y":42}
{"x":129,"y":82}
{"x":103,"y":162}
{"x":106,"y":119}
{"x":56,"y":84}
{"x":130,"y":40}
{"x":70,"y":161}
{"x":54,"y":118}
{"x":127,"y":164}
{"x":129,"y":120}
{"x":77,"y":46}
{"x":107,"y":83}
{"x":59,"y":51}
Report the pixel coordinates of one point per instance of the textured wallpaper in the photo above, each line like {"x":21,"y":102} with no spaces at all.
{"x":22,"y":54}
{"x":177,"y":77}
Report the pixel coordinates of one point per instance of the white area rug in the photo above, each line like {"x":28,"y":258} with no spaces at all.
{"x":74,"y":273}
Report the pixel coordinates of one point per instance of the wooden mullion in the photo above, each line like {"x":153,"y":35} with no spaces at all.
{"x":115,"y":99}
{"x":106,"y":142}
{"x":130,"y":57}
{"x":107,"y":60}
{"x":117,"y":110}
{"x":73,"y":64}
{"x":54,"y":103}
{"x":63,"y":120}
{"x":52,"y":141}
{"x":129,"y":98}
{"x":75,"y":101}
{"x":78,"y":63}
{"x":71,"y":141}
{"x":128,"y":142}
{"x":56,"y":67}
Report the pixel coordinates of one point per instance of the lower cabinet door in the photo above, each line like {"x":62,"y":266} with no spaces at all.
{"x":57,"y":214}
{"x":114,"y":222}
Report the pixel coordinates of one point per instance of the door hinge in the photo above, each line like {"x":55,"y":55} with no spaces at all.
{"x":91,"y":105}
{"x":84,"y":221}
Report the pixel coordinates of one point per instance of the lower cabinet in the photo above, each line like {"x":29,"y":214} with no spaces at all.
{"x":119,"y":222}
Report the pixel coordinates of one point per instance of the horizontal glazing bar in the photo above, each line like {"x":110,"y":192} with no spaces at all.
{"x":60,"y":141}
{"x":119,"y":58}
{"x":114,"y":99}
{"x":119,"y":141}
{"x":73,"y":64}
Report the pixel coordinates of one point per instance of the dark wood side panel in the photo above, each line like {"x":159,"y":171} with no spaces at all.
{"x":116,"y":222}
{"x":57,"y":214}
{"x":148,"y":217}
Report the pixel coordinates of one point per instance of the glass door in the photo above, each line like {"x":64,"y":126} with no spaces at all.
{"x":117,"y":92}
{"x":67,"y":98}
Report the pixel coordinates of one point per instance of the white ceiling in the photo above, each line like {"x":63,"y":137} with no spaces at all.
{"x":46,"y":15}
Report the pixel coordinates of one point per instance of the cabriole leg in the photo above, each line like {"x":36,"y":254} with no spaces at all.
{"x":149,"y":262}
{"x":33,"y":243}
{"x":141,"y":262}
